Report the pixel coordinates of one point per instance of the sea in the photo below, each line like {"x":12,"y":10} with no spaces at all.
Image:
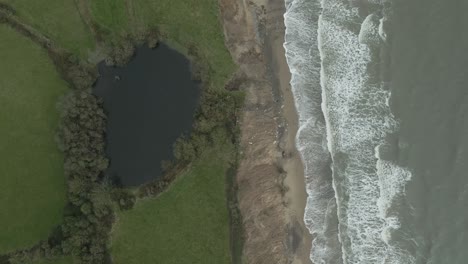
{"x":381,"y":92}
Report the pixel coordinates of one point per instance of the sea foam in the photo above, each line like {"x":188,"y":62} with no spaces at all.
{"x":344,"y":114}
{"x":304,"y":62}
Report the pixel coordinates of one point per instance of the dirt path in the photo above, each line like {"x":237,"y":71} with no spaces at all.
{"x":270,"y":175}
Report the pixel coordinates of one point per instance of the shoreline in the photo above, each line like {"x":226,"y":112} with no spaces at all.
{"x":296,"y":195}
{"x":270,"y":175}
{"x":294,"y":181}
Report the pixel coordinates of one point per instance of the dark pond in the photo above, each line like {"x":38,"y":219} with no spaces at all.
{"x":150,"y":103}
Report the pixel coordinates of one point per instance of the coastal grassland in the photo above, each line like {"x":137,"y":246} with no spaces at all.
{"x":111,"y":15}
{"x":58,"y":20}
{"x":186,"y":224}
{"x":31,"y":172}
{"x":61,"y":260}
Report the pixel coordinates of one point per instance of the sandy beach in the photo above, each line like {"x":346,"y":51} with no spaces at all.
{"x":271,"y":186}
{"x":294,"y":181}
{"x":296,"y":196}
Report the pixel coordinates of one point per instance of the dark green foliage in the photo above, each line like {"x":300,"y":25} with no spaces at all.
{"x":156,"y":187}
{"x":7,"y":8}
{"x":121,"y":52}
{"x":42,"y":250}
{"x":81,"y":76}
{"x":215,"y":122}
{"x":123,"y":198}
{"x":90,"y":215}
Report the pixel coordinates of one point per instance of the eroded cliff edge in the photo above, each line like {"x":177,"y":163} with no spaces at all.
{"x":271,"y":188}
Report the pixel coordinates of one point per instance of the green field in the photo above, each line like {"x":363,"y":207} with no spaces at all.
{"x":59,"y":20}
{"x":111,"y":15}
{"x":186,"y":224}
{"x":31,"y":174}
{"x":63,"y":260}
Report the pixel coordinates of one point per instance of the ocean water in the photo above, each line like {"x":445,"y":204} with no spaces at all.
{"x":381,"y":91}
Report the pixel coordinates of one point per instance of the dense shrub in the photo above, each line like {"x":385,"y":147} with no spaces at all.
{"x":89,"y":216}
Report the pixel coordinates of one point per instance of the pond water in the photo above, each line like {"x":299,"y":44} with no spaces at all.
{"x":149,"y":103}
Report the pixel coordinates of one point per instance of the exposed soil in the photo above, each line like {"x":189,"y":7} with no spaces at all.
{"x":271,"y":189}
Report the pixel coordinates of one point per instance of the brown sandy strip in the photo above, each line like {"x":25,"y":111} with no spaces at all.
{"x":270,"y":176}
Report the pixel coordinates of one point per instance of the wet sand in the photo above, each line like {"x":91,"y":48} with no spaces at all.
{"x":294,"y":180}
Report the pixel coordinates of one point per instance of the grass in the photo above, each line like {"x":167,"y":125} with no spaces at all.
{"x":59,"y":20}
{"x":186,"y":224}
{"x":31,"y":175}
{"x":110,"y":14}
{"x":62,"y":260}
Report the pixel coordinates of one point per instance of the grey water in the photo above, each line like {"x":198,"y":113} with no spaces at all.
{"x":430,"y":98}
{"x":381,"y":90}
{"x":150,"y":102}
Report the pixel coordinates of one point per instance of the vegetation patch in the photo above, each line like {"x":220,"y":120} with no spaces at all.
{"x":60,"y":260}
{"x":111,"y":15}
{"x":57,"y":19}
{"x":42,"y":260}
{"x":33,"y":186}
{"x":186,"y":224}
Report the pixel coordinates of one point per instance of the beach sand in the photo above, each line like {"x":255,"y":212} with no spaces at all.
{"x":294,"y":181}
{"x":271,"y":185}
{"x":296,"y":196}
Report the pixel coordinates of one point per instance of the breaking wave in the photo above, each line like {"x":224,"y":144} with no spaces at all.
{"x":345,"y":122}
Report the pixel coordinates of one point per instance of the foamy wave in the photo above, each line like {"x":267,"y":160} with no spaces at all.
{"x":358,"y":119}
{"x":369,"y":34}
{"x":304,"y":63}
{"x":343,"y":110}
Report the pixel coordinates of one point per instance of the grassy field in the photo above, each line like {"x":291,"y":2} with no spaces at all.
{"x":111,"y":15}
{"x":59,"y":20}
{"x":31,"y":176}
{"x":186,"y":224}
{"x":64,"y":260}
